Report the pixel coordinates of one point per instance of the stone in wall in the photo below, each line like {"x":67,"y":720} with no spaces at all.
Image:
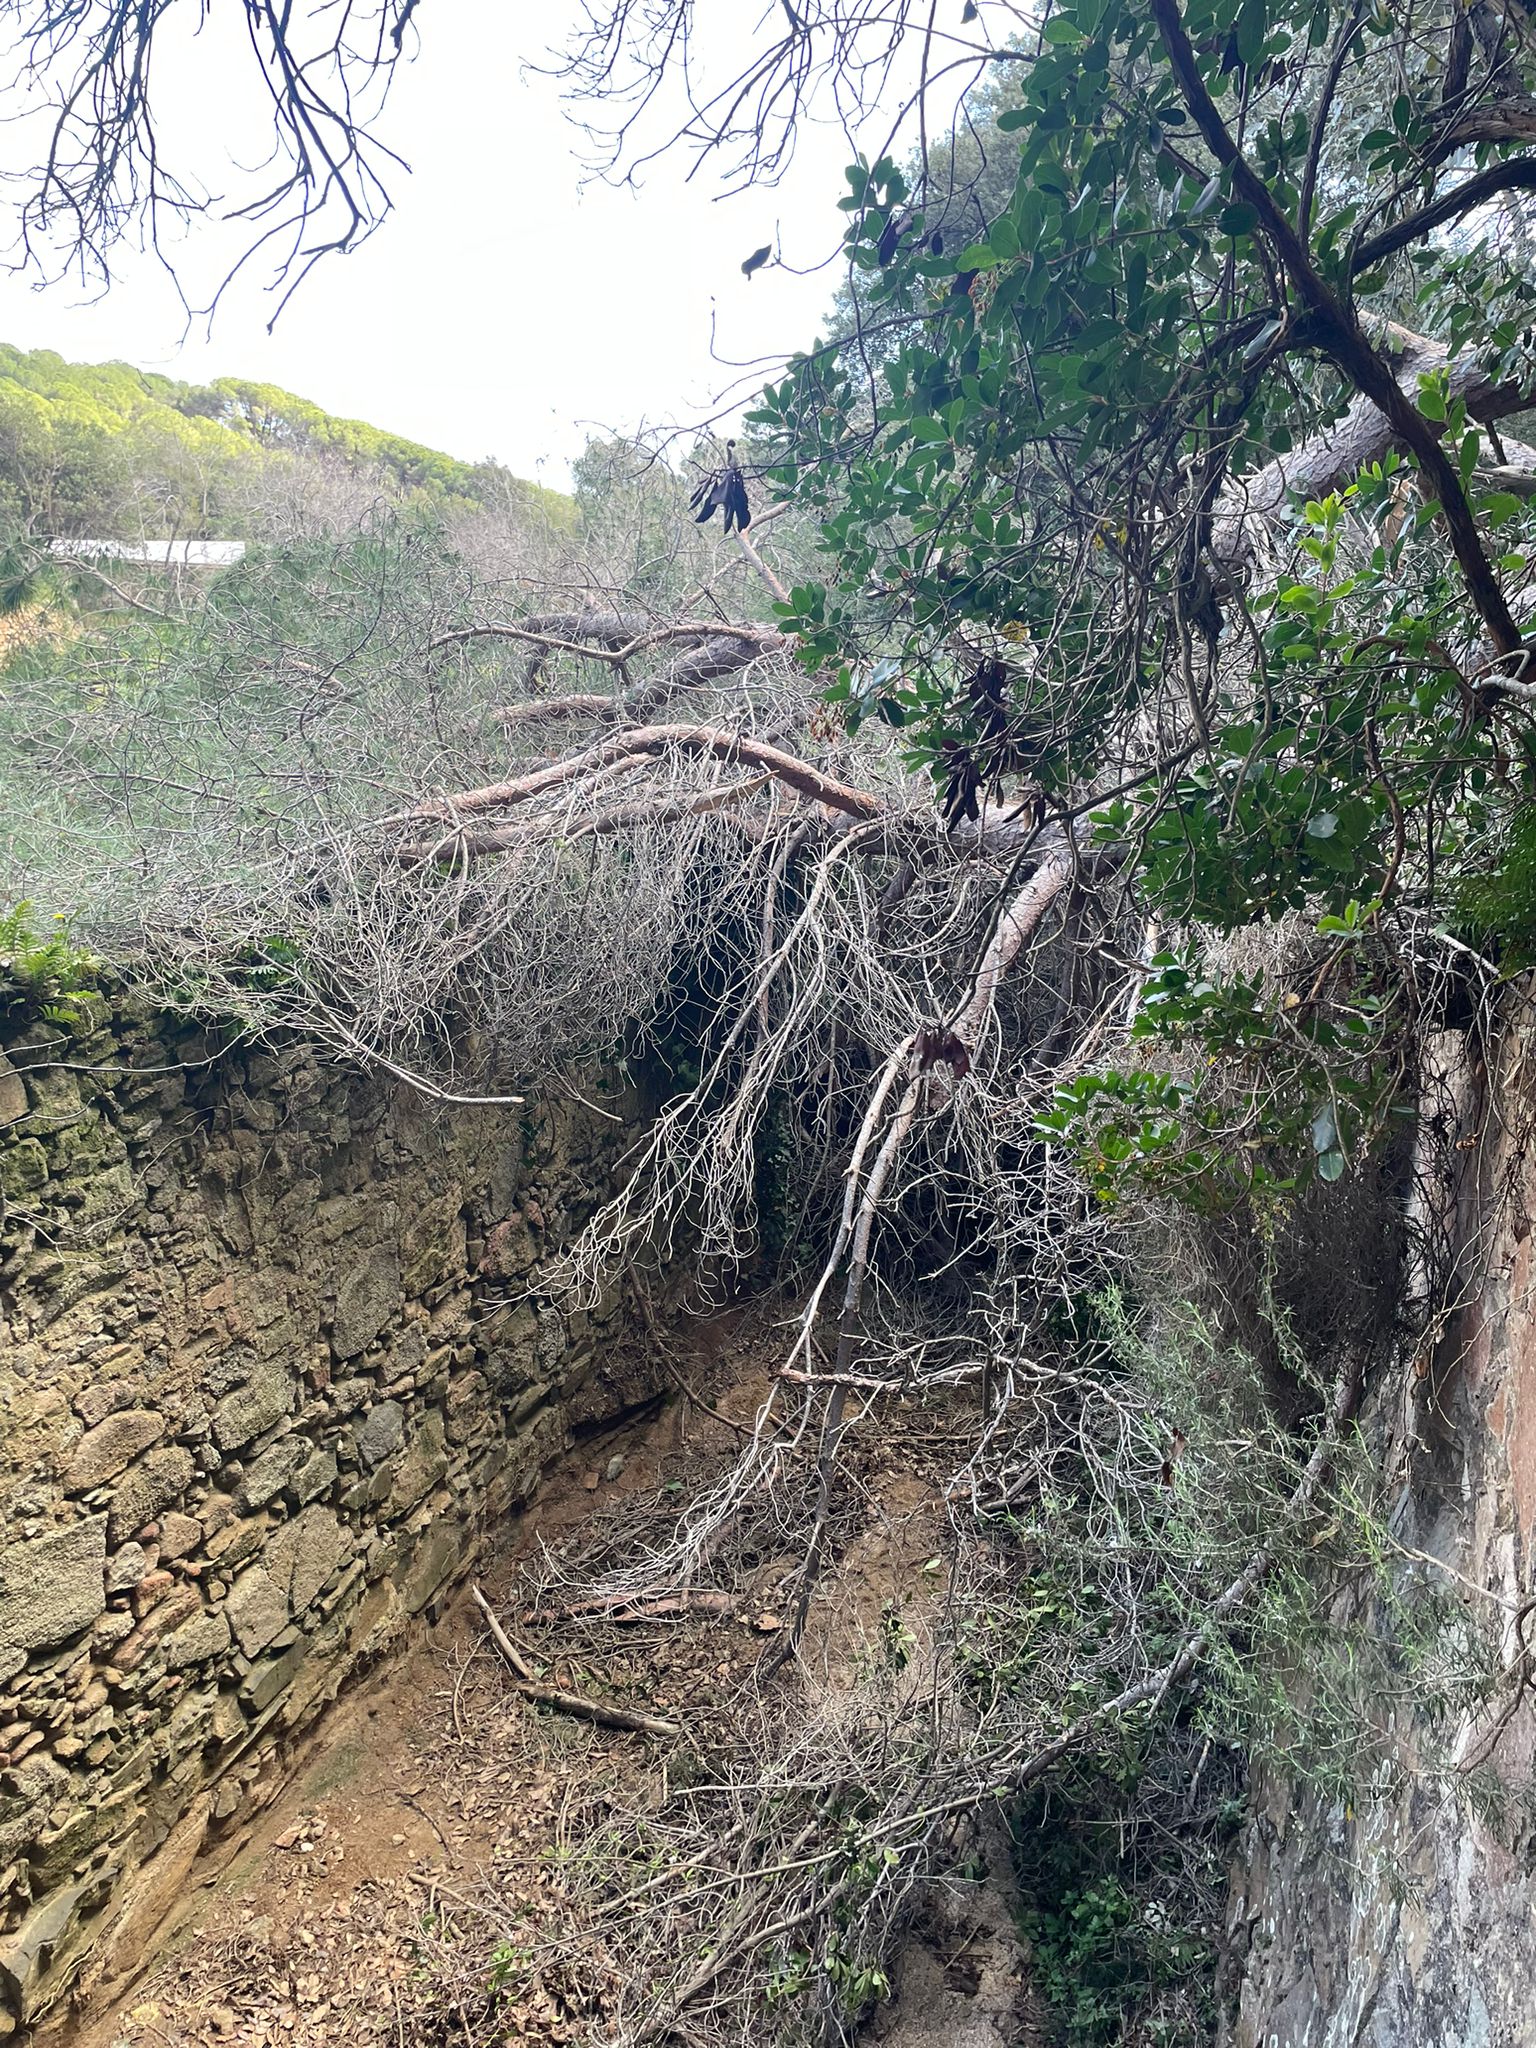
{"x":272,"y":1358}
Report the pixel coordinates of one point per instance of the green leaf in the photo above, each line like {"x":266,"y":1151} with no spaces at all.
{"x":1209,"y":194}
{"x":1003,"y":238}
{"x":1249,"y":30}
{"x":1500,"y":506}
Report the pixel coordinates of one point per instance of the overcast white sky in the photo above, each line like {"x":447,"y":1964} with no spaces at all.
{"x":504,"y":309}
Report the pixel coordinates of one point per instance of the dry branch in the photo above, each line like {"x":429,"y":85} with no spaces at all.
{"x":744,"y":542}
{"x":612,"y":639}
{"x":567,"y":1702}
{"x":537,"y":709}
{"x":789,"y":769}
{"x":619,"y":1607}
{"x":1018,"y":923}
{"x":652,"y":810}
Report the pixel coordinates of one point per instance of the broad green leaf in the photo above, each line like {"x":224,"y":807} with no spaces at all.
{"x":1501,"y":506}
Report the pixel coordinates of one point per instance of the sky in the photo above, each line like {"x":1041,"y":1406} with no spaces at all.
{"x":508,"y":308}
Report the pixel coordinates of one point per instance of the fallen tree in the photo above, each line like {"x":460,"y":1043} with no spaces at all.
{"x":1084,"y":863}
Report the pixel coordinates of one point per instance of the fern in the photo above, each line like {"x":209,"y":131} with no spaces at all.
{"x":44,"y":969}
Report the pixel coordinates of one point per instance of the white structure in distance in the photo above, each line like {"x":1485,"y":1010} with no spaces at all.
{"x":153,"y":554}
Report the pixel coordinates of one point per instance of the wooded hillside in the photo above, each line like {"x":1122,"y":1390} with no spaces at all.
{"x":109,"y":449}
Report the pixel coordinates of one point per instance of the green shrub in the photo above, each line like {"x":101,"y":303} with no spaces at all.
{"x":1498,"y":907}
{"x":1116,"y":1894}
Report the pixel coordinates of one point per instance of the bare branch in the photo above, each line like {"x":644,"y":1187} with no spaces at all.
{"x":794,"y":773}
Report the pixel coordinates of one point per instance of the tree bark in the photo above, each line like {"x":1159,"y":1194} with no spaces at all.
{"x":1338,"y":453}
{"x":794,"y":773}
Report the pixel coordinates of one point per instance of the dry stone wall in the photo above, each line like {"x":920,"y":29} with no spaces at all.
{"x":272,"y":1359}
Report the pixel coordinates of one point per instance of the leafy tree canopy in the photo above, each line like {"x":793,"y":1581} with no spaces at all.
{"x":1148,"y":501}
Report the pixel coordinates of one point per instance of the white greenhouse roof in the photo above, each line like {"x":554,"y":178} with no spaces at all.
{"x":164,"y":554}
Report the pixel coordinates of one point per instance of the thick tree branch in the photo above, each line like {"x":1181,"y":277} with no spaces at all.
{"x":629,"y":817}
{"x":613,"y":639}
{"x":706,"y":660}
{"x":1018,"y":922}
{"x":794,"y":773}
{"x":537,"y":709}
{"x":744,"y":542}
{"x":1337,"y":332}
{"x":1338,"y":453}
{"x":1516,"y":174}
